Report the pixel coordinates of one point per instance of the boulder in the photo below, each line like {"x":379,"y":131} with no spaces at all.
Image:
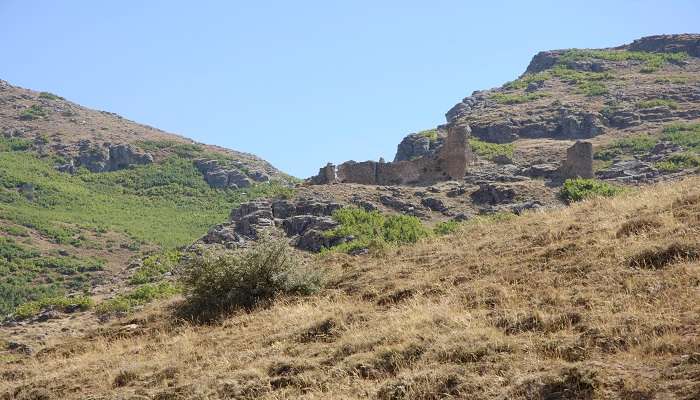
{"x":493,"y":193}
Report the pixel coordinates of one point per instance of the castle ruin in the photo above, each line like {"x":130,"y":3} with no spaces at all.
{"x":448,"y":163}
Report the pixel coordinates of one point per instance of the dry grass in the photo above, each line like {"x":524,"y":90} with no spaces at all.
{"x":544,"y":306}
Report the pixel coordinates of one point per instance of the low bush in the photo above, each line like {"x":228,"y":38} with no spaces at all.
{"x":580,"y":188}
{"x":215,"y":283}
{"x":371,"y":229}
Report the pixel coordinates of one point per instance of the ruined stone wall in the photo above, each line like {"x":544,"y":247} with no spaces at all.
{"x":450,"y":162}
{"x":579,"y":161}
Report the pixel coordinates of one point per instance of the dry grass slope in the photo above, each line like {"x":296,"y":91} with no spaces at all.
{"x":594,"y":301}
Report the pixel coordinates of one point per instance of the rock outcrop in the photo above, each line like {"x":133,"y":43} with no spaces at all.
{"x":219,"y":175}
{"x":108,"y":157}
{"x":303,"y":221}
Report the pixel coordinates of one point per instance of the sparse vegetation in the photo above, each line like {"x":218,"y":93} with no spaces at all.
{"x":490,"y":150}
{"x":215,"y":283}
{"x":678,"y":162}
{"x":657,"y":103}
{"x":49,"y":96}
{"x":143,"y":294}
{"x":61,"y":303}
{"x":446,"y":227}
{"x":626,"y":146}
{"x":33,"y":112}
{"x":685,"y":135}
{"x":580,"y":188}
{"x":430,"y":134}
{"x":510,"y":98}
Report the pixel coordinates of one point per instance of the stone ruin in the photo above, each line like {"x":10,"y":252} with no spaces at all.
{"x":579,"y":161}
{"x":448,"y":163}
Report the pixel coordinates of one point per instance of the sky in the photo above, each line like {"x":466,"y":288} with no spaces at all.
{"x":301,"y":83}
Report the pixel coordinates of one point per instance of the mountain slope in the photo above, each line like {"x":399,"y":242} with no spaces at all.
{"x":65,"y":229}
{"x":594,"y":301}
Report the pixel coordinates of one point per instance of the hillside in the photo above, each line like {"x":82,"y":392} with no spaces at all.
{"x":542,"y":244}
{"x":72,"y":219}
{"x":594,"y":301}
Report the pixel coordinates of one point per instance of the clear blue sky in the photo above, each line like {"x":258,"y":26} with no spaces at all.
{"x":301,"y":83}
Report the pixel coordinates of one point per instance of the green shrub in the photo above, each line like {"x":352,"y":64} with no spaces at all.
{"x":215,"y":283}
{"x":143,"y":294}
{"x":153,"y":267}
{"x":371,"y":229}
{"x":685,"y":135}
{"x":657,"y":103}
{"x":446,"y":227}
{"x":508,"y":98}
{"x":49,"y":96}
{"x":678,"y":162}
{"x":61,"y":303}
{"x":628,"y":145}
{"x":33,"y":112}
{"x":490,"y":150}
{"x":581,"y":188}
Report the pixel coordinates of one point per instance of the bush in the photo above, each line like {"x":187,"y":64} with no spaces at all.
{"x":581,"y":188}
{"x":371,"y":229}
{"x":215,"y":283}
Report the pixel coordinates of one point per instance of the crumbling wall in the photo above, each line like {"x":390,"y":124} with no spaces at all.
{"x":579,"y":161}
{"x":450,"y":162}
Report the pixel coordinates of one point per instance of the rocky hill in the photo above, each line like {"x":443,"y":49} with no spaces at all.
{"x":83,"y":193}
{"x":542,"y":244}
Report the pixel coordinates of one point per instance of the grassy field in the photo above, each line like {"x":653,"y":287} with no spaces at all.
{"x":593,"y":301}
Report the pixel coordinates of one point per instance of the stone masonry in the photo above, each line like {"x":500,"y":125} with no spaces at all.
{"x":448,"y":163}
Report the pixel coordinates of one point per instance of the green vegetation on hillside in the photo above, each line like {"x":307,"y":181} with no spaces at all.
{"x":167,"y":204}
{"x":628,"y":145}
{"x":490,"y":150}
{"x":657,"y":103}
{"x":652,"y":61}
{"x":33,"y":112}
{"x":371,"y":229}
{"x":579,"y":189}
{"x":509,"y":98}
